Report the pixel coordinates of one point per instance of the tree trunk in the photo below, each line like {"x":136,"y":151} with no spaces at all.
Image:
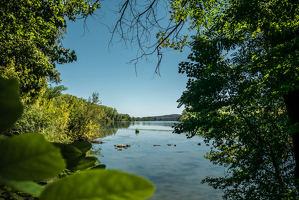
{"x":292,"y":104}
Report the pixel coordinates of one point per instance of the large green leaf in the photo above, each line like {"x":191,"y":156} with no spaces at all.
{"x":11,"y":107}
{"x":99,"y":185}
{"x":68,"y":151}
{"x":82,"y":145}
{"x":29,"y":157}
{"x":81,"y":163}
{"x":25,"y":186}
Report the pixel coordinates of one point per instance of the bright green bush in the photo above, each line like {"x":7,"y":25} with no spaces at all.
{"x":63,"y":117}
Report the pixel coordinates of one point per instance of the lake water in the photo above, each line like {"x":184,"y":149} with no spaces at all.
{"x":176,"y":170}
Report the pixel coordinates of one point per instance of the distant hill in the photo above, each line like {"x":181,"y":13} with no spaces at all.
{"x":172,"y":117}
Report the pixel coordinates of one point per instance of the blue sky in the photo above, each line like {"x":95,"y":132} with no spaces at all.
{"x":98,"y":70}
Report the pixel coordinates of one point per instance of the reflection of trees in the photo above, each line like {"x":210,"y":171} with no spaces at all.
{"x":151,"y":123}
{"x":103,"y":132}
{"x":117,"y":125}
{"x":110,"y":128}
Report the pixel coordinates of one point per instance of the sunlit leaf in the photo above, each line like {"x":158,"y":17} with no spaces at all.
{"x":99,"y":185}
{"x":11,"y":107}
{"x":29,"y":157}
{"x":24,"y":186}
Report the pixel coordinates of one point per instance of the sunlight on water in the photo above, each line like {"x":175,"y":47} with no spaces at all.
{"x":175,"y":164}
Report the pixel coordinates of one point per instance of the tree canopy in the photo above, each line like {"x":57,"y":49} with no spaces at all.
{"x":30,"y":40}
{"x":243,"y":92}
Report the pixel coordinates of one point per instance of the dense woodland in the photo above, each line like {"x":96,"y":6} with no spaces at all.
{"x":63,"y":117}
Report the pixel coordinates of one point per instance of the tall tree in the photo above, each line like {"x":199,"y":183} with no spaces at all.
{"x":30,"y":40}
{"x":243,"y":90}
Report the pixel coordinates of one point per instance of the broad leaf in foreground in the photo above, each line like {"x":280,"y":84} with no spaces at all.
{"x":25,"y":186}
{"x":99,"y":185}
{"x":11,"y":107}
{"x":83,"y":146}
{"x":81,"y":163}
{"x":29,"y":157}
{"x":68,"y":151}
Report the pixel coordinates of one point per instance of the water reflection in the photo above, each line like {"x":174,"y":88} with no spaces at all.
{"x":117,"y":125}
{"x":157,"y":123}
{"x":110,"y":128}
{"x":176,"y":170}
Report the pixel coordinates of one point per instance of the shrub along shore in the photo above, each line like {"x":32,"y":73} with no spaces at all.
{"x":64,"y":118}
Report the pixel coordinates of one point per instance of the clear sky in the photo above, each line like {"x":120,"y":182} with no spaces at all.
{"x":98,"y":70}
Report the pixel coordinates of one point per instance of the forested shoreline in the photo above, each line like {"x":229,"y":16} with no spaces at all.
{"x":64,"y":117}
{"x":243,"y":82}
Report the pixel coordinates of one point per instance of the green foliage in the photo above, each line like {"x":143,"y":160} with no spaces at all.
{"x":11,"y":108}
{"x":30,"y":40}
{"x":81,"y":163}
{"x":175,"y":45}
{"x":99,"y":184}
{"x":82,"y":146}
{"x":47,"y":116}
{"x":145,"y":119}
{"x":185,"y":116}
{"x":75,"y":155}
{"x":29,"y":157}
{"x":121,"y":117}
{"x":53,"y":92}
{"x":83,"y":115}
{"x":24,"y":186}
{"x":68,"y":151}
{"x":63,"y":118}
{"x":242,"y":92}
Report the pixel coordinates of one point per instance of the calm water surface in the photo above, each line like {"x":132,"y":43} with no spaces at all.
{"x":176,"y":171}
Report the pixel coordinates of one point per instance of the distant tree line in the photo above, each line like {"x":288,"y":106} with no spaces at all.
{"x":174,"y":117}
{"x":144,"y":119}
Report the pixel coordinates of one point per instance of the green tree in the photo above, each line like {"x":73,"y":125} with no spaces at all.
{"x":30,"y":40}
{"x":185,"y":115}
{"x":243,"y":91}
{"x":53,"y":92}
